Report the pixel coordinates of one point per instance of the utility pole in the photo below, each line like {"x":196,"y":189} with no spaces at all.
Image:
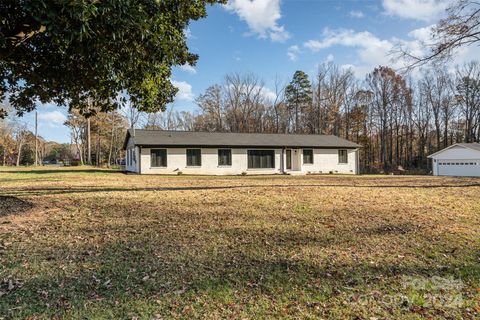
{"x":36,"y":138}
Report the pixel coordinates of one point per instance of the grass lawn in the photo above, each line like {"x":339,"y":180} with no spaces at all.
{"x":84,"y":243}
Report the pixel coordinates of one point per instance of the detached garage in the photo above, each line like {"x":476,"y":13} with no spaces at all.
{"x":460,"y":159}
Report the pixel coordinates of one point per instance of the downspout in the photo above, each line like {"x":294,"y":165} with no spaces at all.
{"x":357,"y":162}
{"x":139,"y":160}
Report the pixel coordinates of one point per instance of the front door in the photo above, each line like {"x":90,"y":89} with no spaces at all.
{"x":289,"y":159}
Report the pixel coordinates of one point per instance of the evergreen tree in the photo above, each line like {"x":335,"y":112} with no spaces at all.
{"x":298,"y":96}
{"x":76,"y":51}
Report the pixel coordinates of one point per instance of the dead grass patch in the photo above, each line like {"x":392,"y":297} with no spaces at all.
{"x":106,"y":245}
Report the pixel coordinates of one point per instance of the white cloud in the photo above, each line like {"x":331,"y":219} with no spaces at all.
{"x":425,"y":10}
{"x":293,"y":52}
{"x":261,"y":17}
{"x":268,"y":94}
{"x":356,"y":14}
{"x":52,"y":118}
{"x":188,"y":68}
{"x":348,"y":67}
{"x":422,"y":34}
{"x":330,"y":58}
{"x":371,"y":51}
{"x":184,"y":90}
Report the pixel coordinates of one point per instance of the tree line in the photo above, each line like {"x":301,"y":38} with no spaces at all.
{"x":96,"y":139}
{"x":399,"y":120}
{"x":18,"y":145}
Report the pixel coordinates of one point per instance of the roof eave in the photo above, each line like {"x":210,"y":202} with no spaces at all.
{"x":243,"y":146}
{"x":449,"y":147}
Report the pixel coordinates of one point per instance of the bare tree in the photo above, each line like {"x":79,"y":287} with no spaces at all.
{"x":77,"y":124}
{"x":280,"y":116}
{"x":460,"y":28}
{"x":397,"y":121}
{"x":437,"y":86}
{"x":468,"y":97}
{"x":212,"y":105}
{"x":22,"y":136}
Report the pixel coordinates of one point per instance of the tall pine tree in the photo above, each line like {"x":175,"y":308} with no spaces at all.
{"x":298,"y":95}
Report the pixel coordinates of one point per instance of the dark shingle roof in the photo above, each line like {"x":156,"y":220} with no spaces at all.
{"x":218,"y":139}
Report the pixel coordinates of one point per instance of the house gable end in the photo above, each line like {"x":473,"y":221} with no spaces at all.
{"x":456,"y":152}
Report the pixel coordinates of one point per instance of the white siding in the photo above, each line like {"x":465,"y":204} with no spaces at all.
{"x":325,"y":160}
{"x":454,"y":155}
{"x":131,"y":157}
{"x":457,"y":152}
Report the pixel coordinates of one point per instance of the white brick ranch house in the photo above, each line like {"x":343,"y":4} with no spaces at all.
{"x":208,"y":153}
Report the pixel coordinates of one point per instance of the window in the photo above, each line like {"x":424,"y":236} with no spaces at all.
{"x":307,"y":156}
{"x":261,"y":159}
{"x":342,"y":156}
{"x":194,"y":158}
{"x":224,"y":157}
{"x":158,"y":158}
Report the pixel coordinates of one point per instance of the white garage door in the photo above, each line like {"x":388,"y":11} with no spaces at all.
{"x":467,"y":168}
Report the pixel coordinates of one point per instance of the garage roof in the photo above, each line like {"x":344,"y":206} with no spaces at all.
{"x":474,"y":146}
{"x":218,"y":139}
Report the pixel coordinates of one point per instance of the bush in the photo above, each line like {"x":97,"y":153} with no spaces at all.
{"x":74,"y":163}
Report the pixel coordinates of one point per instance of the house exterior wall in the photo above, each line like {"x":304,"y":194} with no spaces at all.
{"x":325,"y":161}
{"x":177,"y":161}
{"x":132,"y":156}
{"x":456,"y":154}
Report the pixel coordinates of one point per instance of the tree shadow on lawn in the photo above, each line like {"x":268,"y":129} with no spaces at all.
{"x":13,"y":205}
{"x":170,"y":277}
{"x":53,"y":171}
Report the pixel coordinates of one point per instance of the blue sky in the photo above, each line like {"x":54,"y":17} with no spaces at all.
{"x":274,"y":38}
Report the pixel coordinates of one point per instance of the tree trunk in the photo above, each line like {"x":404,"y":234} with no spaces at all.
{"x":80,"y":151}
{"x":89,"y":146}
{"x":19,"y":154}
{"x":111,"y":141}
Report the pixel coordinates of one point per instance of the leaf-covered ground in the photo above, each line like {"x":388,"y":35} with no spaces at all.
{"x":84,"y":243}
